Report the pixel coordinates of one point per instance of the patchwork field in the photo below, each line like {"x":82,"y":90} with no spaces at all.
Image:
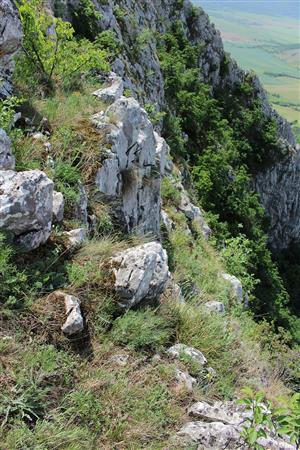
{"x":267,"y":44}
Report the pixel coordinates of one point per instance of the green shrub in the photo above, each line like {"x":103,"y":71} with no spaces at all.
{"x":108,"y":41}
{"x":142,"y":330}
{"x":268,"y":420}
{"x":54,"y":56}
{"x":12,"y":280}
{"x":226,"y":138}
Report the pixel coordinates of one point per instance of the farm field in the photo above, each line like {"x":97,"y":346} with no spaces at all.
{"x":267,"y":44}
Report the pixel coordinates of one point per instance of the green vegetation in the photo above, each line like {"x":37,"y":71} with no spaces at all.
{"x":282,"y":421}
{"x":55,"y":56}
{"x":268,"y":45}
{"x":114,"y":385}
{"x":228,"y":138}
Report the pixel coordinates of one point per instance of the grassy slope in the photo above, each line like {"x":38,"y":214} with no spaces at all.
{"x":73,"y":394}
{"x":269,"y":46}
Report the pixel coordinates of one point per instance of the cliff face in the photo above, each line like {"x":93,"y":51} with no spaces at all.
{"x":136,"y":24}
{"x":278,"y":188}
{"x":10,"y":41}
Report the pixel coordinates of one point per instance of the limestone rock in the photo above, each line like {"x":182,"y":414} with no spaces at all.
{"x":168,"y":223}
{"x":162,"y":154}
{"x":130,"y":173}
{"x":58,"y":207}
{"x":74,"y":321}
{"x":211,"y":436}
{"x":185,"y":379}
{"x":181,"y":349}
{"x":279,"y":193}
{"x":112,"y":92}
{"x":215,"y":306}
{"x":194,"y":214}
{"x":120,"y":359}
{"x":220,"y":425}
{"x":76,"y":237}
{"x":236,"y":286}
{"x":26,"y":205}
{"x":7,"y":160}
{"x":10,"y":42}
{"x":228,"y":413}
{"x":141,"y":274}
{"x":174,"y":291}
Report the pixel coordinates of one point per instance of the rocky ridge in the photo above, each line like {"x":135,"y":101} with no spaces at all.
{"x":135,"y":26}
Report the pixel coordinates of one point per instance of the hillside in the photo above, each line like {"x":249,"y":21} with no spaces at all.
{"x":264,"y":38}
{"x":149,"y":235}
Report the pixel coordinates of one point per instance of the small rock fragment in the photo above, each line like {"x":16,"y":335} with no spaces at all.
{"x":185,"y":379}
{"x":112,"y":92}
{"x":74,"y":322}
{"x":181,"y":349}
{"x":215,"y":306}
{"x":58,"y":207}
{"x":76,"y":237}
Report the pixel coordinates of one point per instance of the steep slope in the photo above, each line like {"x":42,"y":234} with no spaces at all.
{"x":119,"y":314}
{"x":137,"y":27}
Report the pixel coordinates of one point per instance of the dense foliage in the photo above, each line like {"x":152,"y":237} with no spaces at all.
{"x":51,"y":50}
{"x":225,"y":139}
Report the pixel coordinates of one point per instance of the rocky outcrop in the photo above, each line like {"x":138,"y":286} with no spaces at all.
{"x":220,"y":426}
{"x":278,"y":189}
{"x":112,"y":92}
{"x":235,"y":285}
{"x":7,"y":160}
{"x":10,"y":43}
{"x":26,"y":204}
{"x":135,"y":25}
{"x":130,"y":175}
{"x":194,"y":214}
{"x":140,"y":274}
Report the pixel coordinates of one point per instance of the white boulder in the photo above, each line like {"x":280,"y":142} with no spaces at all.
{"x":26,"y":205}
{"x":141,"y":273}
{"x":215,"y":306}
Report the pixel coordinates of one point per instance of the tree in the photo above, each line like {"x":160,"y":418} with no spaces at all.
{"x":51,"y":50}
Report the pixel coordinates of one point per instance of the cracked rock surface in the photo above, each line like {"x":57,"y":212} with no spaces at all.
{"x":141,"y":274}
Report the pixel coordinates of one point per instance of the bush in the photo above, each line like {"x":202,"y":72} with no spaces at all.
{"x":50,"y":50}
{"x":142,"y":330}
{"x":12,"y":280}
